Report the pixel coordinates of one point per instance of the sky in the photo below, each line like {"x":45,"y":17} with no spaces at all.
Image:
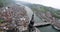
{"x":50,"y":3}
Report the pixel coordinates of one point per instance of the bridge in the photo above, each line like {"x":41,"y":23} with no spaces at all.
{"x":40,"y":24}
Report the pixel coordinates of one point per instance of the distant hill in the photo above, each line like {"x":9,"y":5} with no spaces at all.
{"x":40,"y":8}
{"x":25,"y":3}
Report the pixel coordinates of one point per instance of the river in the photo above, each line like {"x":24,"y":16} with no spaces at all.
{"x":37,"y":19}
{"x":47,"y":29}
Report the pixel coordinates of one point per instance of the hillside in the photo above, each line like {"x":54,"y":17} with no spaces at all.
{"x":40,"y":8}
{"x":44,"y":9}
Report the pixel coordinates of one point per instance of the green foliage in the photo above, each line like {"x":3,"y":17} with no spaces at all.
{"x":1,"y":21}
{"x":44,"y":9}
{"x":39,"y":8}
{"x":56,"y":14}
{"x":5,"y":2}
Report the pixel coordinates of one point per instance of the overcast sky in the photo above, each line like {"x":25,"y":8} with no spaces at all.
{"x":51,"y":3}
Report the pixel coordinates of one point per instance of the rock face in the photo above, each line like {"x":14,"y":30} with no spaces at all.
{"x":14,"y":17}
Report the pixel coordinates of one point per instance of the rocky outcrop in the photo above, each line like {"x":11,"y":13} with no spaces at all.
{"x":14,"y":16}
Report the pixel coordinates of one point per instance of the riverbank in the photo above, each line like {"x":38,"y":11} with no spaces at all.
{"x":44,"y":28}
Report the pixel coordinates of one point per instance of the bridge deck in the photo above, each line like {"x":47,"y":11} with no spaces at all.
{"x":43,"y":23}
